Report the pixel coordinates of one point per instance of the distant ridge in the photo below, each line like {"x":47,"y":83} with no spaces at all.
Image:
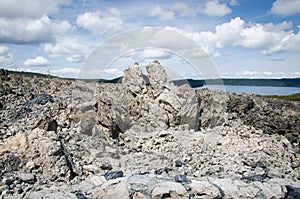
{"x":284,"y":82}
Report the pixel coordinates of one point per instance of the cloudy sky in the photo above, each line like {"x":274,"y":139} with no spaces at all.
{"x":243,"y":38}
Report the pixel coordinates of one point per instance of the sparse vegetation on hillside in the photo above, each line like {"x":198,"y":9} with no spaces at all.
{"x":293,"y":97}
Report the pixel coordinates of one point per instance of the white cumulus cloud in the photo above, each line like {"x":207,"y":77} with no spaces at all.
{"x":183,"y":9}
{"x":3,"y":49}
{"x":6,"y":58}
{"x":37,"y":61}
{"x":267,"y":38}
{"x":31,"y":31}
{"x":161,"y":14}
{"x":65,"y":72}
{"x":155,"y":54}
{"x":29,"y":8}
{"x":100,"y":23}
{"x":75,"y":58}
{"x":286,"y":7}
{"x":214,"y":9}
{"x":260,"y":74}
{"x":71,"y":47}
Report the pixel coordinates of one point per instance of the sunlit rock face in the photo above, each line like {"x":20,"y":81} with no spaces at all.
{"x":140,"y":107}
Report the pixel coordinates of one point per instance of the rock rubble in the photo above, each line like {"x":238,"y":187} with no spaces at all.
{"x":64,"y":139}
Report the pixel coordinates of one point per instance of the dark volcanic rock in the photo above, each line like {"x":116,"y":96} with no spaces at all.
{"x":10,"y":163}
{"x":113,"y":175}
{"x":270,"y":115}
{"x":182,"y":179}
{"x":40,"y":99}
{"x":292,"y":192}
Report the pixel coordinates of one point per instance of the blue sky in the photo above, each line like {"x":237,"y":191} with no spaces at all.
{"x":243,"y":38}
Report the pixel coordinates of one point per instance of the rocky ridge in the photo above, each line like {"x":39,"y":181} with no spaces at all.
{"x":60,"y":141}
{"x":133,"y":105}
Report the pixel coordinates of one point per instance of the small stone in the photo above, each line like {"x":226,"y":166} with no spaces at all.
{"x":182,"y":178}
{"x":112,"y":189}
{"x":20,"y":190}
{"x":80,"y":195}
{"x":178,"y":163}
{"x":205,"y":188}
{"x":30,"y":165}
{"x":7,"y":181}
{"x":27,"y":178}
{"x":161,"y":171}
{"x":113,"y":175}
{"x":106,"y":165}
{"x":169,"y":190}
{"x":260,"y":148}
{"x":138,"y":195}
{"x":2,"y":188}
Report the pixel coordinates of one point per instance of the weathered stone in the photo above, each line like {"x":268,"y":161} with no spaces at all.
{"x":138,"y":195}
{"x":169,"y":189}
{"x":205,"y":189}
{"x":158,"y":78}
{"x":235,"y":189}
{"x":140,"y":107}
{"x":10,"y":163}
{"x":27,"y":178}
{"x":142,"y":183}
{"x":269,"y":190}
{"x":50,"y":194}
{"x":112,"y":189}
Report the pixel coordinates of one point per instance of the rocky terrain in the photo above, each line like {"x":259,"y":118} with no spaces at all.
{"x":72,"y":139}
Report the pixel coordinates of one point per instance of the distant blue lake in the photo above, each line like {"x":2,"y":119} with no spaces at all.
{"x":259,"y":90}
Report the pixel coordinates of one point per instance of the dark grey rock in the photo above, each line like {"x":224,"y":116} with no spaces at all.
{"x":80,"y":196}
{"x":113,"y":175}
{"x":182,"y":179}
{"x":292,"y":192}
{"x":10,"y":163}
{"x":7,"y":181}
{"x":178,"y":163}
{"x":260,"y":178}
{"x":40,"y":99}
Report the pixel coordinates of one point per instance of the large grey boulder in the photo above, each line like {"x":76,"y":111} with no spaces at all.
{"x":134,"y":105}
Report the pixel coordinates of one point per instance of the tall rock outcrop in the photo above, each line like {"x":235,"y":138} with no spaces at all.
{"x":133,"y":105}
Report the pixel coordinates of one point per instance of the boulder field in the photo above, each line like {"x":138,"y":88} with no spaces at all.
{"x":143,"y":139}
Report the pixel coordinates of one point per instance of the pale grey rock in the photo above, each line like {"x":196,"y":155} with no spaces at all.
{"x":235,"y":188}
{"x":139,"y":195}
{"x":158,"y":78}
{"x":116,"y":188}
{"x":27,"y":177}
{"x":146,"y":108}
{"x":142,"y":183}
{"x":133,"y":81}
{"x":269,"y":190}
{"x":169,"y":189}
{"x":205,"y":189}
{"x":49,"y":194}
